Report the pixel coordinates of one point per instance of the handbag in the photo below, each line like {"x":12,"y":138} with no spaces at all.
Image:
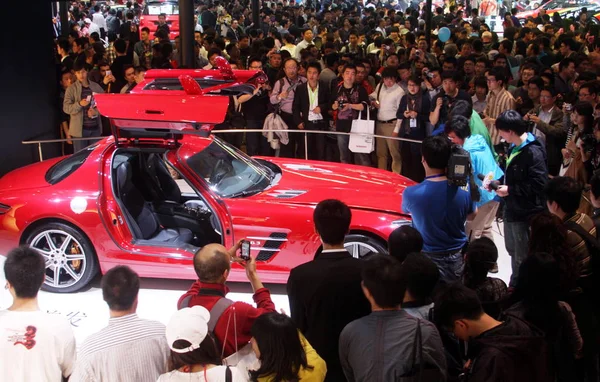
{"x":418,"y":372}
{"x":361,"y":139}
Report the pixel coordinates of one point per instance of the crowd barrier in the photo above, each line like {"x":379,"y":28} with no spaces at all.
{"x":39,"y":143}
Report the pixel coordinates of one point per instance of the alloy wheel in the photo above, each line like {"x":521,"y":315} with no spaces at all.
{"x":64,"y":255}
{"x":359,"y":249}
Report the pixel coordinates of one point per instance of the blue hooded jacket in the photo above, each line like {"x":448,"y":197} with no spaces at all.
{"x":483,"y":163}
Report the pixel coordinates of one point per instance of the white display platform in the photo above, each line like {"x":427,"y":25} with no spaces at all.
{"x":88,"y":313}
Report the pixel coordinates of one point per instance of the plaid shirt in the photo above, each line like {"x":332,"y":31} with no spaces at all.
{"x":111,"y":54}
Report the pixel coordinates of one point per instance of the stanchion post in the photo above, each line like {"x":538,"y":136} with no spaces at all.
{"x":40,"y":151}
{"x":305,"y":145}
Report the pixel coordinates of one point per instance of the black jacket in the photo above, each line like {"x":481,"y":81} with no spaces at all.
{"x":302,"y":103}
{"x":514,"y":351}
{"x":526,"y":177}
{"x":325,"y":295}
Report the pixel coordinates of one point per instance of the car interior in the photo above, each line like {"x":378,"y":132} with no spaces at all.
{"x":155,"y":209}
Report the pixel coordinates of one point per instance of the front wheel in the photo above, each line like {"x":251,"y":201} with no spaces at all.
{"x":361,"y":246}
{"x":70,"y":257}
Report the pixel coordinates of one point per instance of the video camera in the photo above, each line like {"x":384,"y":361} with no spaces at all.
{"x":460,"y":171}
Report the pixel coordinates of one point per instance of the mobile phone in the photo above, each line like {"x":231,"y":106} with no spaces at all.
{"x":88,"y":98}
{"x":108,"y":72}
{"x":245,"y":253}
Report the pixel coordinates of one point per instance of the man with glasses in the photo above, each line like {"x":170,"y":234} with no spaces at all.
{"x":524,"y":103}
{"x":254,"y":108}
{"x":548,"y":127}
{"x":588,"y":92}
{"x":498,"y":100}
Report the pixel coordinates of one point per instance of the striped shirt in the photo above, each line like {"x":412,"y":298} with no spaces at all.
{"x":496,"y":104}
{"x":128,"y":349}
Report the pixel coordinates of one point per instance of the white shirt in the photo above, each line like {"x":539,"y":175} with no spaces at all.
{"x":313,"y":98}
{"x":99,"y":20}
{"x":214,"y":374}
{"x":389,"y":101}
{"x":35,"y":346}
{"x":545,"y":116}
{"x":301,"y":45}
{"x":94,"y":28}
{"x":128,"y":349}
{"x":478,"y":106}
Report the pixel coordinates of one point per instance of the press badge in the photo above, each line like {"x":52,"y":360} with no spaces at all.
{"x":413,"y":122}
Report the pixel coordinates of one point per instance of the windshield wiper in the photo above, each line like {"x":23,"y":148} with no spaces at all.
{"x":244,"y":193}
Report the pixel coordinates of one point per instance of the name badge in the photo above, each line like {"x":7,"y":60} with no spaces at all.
{"x":413,"y":122}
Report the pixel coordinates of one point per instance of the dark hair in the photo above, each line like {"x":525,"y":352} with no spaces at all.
{"x":451,"y":60}
{"x":120,"y":45}
{"x":80,"y":65}
{"x":481,"y":256}
{"x":120,"y":287}
{"x":281,"y":352}
{"x":459,"y":125}
{"x":349,"y":66}
{"x":548,"y":234}
{"x":456,"y":302}
{"x":591,"y":86}
{"x":462,"y":108}
{"x":499,"y":74}
{"x":95,"y":36}
{"x":506,"y":44}
{"x":25,"y":270}
{"x":206,"y":354}
{"x":63,"y":44}
{"x":436,"y":151}
{"x":549,"y":89}
{"x":404,"y":240}
{"x":537,"y":81}
{"x":80,"y":42}
{"x":332,"y":220}
{"x":565,"y":63}
{"x":420,"y":276}
{"x":211,"y":268}
{"x":389,"y":72}
{"x":451,"y":75}
{"x":510,"y":120}
{"x":565,"y":191}
{"x":315,"y":65}
{"x":570,"y":43}
{"x":331,"y":59}
{"x":381,"y":276}
{"x":586,"y":110}
{"x":538,"y":285}
{"x":146,"y":29}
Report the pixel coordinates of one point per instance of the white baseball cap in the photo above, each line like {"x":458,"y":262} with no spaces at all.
{"x":189,"y":324}
{"x":87,"y":21}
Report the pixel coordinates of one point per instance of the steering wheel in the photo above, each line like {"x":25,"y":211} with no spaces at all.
{"x":222,"y":168}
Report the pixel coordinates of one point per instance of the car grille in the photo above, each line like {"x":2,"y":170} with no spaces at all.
{"x":272,"y":247}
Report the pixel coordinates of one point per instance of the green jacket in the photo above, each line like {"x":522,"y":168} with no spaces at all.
{"x":478,"y":127}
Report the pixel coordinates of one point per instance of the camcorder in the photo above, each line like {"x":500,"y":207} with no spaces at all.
{"x":460,"y":171}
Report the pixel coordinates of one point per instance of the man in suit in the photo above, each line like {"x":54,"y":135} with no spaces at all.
{"x":325,"y":294}
{"x":311,"y":102}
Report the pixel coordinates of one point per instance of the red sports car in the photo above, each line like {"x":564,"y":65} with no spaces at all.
{"x":153,"y":9}
{"x":154,"y":193}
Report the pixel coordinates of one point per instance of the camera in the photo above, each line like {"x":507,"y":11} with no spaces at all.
{"x":568,"y":107}
{"x":460,"y":171}
{"x":245,"y":252}
{"x":418,"y":53}
{"x":588,"y":142}
{"x":341,"y":104}
{"x":428,"y":74}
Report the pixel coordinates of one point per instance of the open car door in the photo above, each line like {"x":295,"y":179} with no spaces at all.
{"x":159,"y":122}
{"x":138,"y":119}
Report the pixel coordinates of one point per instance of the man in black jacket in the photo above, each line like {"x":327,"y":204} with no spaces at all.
{"x":525,"y":177}
{"x":325,"y":294}
{"x":311,"y":102}
{"x":509,"y":350}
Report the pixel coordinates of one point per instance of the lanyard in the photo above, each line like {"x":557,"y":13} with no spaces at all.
{"x":435,"y":176}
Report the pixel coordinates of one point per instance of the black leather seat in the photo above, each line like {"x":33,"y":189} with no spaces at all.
{"x":162,"y":179}
{"x":141,"y":217}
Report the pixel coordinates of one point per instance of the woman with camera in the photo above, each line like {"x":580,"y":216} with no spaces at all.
{"x":579,"y":121}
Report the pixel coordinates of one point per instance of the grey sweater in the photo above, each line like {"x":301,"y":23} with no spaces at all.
{"x":379,"y":347}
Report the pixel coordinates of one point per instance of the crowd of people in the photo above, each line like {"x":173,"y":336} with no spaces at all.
{"x":525,"y":109}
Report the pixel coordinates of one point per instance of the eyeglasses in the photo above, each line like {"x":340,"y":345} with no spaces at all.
{"x":584,"y":94}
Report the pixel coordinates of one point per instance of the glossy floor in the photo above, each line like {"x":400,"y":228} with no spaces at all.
{"x":88,"y":313}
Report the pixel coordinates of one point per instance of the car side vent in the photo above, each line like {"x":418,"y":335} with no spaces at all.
{"x":287,"y":194}
{"x":272,"y":247}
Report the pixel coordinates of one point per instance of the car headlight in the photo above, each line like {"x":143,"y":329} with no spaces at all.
{"x":401,"y":222}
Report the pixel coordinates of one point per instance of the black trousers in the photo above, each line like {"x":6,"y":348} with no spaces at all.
{"x":295,"y":146}
{"x":316,"y":142}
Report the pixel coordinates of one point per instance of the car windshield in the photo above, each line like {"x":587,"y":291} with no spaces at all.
{"x":156,"y":9}
{"x":229,"y":172}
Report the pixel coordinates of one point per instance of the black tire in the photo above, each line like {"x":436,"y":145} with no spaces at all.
{"x":376,"y":246}
{"x":86,"y":267}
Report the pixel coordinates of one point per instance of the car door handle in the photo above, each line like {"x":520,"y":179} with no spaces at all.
{"x":155,"y":112}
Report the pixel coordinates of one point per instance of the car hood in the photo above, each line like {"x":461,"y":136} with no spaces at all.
{"x":309,"y":182}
